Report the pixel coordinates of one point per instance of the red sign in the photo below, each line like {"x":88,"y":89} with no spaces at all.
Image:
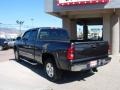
{"x":80,"y":2}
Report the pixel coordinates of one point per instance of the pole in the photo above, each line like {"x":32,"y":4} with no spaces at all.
{"x":20,"y":24}
{"x":32,"y":22}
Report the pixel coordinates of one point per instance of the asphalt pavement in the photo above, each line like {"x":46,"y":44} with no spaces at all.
{"x":24,"y":76}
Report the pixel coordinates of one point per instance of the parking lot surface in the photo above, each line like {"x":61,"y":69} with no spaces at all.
{"x":23,"y":76}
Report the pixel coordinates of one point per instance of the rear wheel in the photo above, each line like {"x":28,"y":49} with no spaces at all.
{"x":52,"y":72}
{"x":95,"y":70}
{"x":17,"y":57}
{"x":1,"y":48}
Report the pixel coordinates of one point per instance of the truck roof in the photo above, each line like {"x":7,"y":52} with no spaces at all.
{"x":47,"y":28}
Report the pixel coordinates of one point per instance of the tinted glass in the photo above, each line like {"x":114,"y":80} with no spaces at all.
{"x":26,"y":35}
{"x":54,"y":34}
{"x":33,"y":35}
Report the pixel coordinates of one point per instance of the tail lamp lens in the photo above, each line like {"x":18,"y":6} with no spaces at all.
{"x":70,"y":52}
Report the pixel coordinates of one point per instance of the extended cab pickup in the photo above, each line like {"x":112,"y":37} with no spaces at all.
{"x":53,"y":48}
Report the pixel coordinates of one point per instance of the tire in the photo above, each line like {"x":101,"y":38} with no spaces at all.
{"x":95,"y":70}
{"x":17,"y":57}
{"x":1,"y":48}
{"x":52,"y":72}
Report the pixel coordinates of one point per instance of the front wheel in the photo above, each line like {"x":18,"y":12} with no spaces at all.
{"x":17,"y":57}
{"x":1,"y":48}
{"x":52,"y":72}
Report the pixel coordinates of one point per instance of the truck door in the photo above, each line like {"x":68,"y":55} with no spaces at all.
{"x":26,"y":48}
{"x":30,"y":44}
{"x":22,"y":44}
{"x":41,"y":44}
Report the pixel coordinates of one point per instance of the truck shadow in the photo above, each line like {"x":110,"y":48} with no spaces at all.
{"x":67,"y":76}
{"x":75,"y":76}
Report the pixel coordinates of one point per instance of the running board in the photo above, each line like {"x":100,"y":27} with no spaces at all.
{"x":33,"y":63}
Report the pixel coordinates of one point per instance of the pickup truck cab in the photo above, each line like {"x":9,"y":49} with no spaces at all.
{"x":53,"y":48}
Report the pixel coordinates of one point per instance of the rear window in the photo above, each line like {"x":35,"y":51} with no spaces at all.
{"x":54,"y":34}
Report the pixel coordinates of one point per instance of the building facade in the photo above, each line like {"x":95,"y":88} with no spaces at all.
{"x":89,"y":12}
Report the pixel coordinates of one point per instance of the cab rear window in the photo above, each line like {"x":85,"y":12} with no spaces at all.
{"x":53,"y":34}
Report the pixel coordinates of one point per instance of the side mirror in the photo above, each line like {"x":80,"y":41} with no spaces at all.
{"x":18,"y":38}
{"x":24,"y":39}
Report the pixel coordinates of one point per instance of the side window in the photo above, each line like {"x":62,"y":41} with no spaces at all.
{"x":44,"y":35}
{"x":26,"y":35}
{"x":33,"y":35}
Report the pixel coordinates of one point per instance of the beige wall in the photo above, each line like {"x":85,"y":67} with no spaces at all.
{"x":70,"y":26}
{"x":115,"y":26}
{"x":111,"y":31}
{"x":107,"y":28}
{"x":107,"y":31}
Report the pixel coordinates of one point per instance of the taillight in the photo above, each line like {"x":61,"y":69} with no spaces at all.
{"x":70,"y":52}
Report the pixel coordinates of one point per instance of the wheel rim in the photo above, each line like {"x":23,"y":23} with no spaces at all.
{"x":50,"y":70}
{"x":1,"y":48}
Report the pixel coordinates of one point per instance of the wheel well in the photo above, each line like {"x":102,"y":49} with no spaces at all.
{"x":45,"y":57}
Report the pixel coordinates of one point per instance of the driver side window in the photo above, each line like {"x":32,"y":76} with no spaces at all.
{"x":26,"y":35}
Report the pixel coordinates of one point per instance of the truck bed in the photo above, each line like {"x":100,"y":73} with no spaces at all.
{"x":91,"y":50}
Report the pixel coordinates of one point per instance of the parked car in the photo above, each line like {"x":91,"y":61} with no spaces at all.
{"x":3,"y":44}
{"x":11,"y":43}
{"x":53,"y":48}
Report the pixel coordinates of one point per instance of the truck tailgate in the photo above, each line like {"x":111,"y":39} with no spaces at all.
{"x":91,"y":50}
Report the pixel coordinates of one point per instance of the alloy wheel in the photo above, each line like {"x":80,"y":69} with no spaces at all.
{"x":50,"y":70}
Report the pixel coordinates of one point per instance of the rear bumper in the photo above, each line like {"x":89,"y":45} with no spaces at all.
{"x":89,"y":64}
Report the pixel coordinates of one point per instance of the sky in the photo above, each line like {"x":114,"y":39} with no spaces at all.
{"x":25,"y":10}
{"x":12,"y":10}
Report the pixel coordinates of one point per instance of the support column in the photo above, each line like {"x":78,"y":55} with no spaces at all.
{"x":70,"y":26}
{"x":85,"y":32}
{"x":115,"y":21}
{"x":107,"y":28}
{"x":118,"y":13}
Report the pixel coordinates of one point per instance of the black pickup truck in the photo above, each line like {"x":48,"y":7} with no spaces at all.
{"x":53,"y":48}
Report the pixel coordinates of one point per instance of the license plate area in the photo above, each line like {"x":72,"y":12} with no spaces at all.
{"x":93,"y":63}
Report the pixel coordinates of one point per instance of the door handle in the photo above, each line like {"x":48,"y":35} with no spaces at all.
{"x":93,"y":46}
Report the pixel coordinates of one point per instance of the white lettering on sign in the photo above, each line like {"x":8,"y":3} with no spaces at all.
{"x":65,"y":1}
{"x":80,"y":2}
